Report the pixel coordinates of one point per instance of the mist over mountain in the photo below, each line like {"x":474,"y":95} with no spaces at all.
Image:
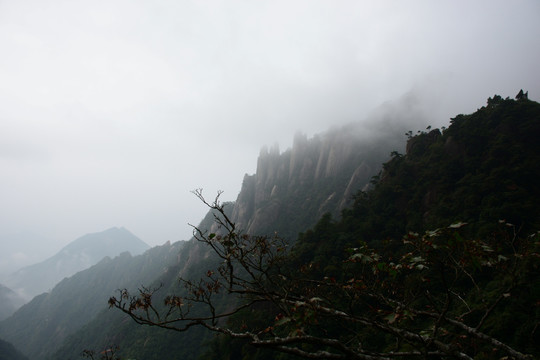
{"x":10,"y":301}
{"x":480,"y":173}
{"x":41,"y":325}
{"x":286,"y":195}
{"x":330,"y":130}
{"x":316,"y":176}
{"x":20,"y":249}
{"x":442,"y":177}
{"x":321,"y":174}
{"x":74,"y":257}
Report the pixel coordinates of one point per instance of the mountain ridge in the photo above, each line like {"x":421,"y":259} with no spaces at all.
{"x":10,"y":301}
{"x":78,"y":255}
{"x":280,"y":187}
{"x":320,"y":174}
{"x":481,"y":174}
{"x":275,"y":199}
{"x":40,"y":326}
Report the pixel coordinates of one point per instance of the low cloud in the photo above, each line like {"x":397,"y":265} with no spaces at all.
{"x":112,"y":112}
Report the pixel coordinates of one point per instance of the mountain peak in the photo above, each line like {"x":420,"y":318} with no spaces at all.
{"x":78,"y":255}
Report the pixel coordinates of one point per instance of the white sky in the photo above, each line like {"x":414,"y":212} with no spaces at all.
{"x":111,"y":112}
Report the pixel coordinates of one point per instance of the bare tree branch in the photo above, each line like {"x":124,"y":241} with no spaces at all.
{"x":324,"y":318}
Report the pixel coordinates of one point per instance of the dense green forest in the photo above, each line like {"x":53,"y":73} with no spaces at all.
{"x":439,"y":260}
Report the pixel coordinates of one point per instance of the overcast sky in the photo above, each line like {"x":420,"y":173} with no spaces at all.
{"x":111,"y":112}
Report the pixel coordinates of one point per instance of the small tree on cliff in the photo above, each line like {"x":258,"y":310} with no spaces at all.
{"x":440,"y":297}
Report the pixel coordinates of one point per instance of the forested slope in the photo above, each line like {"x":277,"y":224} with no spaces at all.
{"x":466,"y":192}
{"x":456,"y":215}
{"x":41,"y":326}
{"x":8,"y":352}
{"x":286,"y":195}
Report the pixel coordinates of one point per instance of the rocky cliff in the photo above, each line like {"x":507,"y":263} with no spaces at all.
{"x":292,"y":189}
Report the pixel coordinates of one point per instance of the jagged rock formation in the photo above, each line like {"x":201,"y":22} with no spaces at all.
{"x":288,"y":194}
{"x":290,"y":190}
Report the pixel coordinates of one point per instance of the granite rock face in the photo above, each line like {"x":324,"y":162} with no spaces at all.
{"x":294,"y":188}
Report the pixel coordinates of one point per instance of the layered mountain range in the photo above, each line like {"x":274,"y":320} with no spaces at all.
{"x":78,"y":255}
{"x":10,"y":301}
{"x":287,"y":195}
{"x":40,"y":326}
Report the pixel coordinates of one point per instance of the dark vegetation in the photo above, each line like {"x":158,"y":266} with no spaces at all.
{"x":315,"y":183}
{"x":8,"y":352}
{"x":46,"y":322}
{"x":439,"y":260}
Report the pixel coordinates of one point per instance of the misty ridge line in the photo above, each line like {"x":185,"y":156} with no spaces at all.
{"x":388,"y":119}
{"x":392,"y":119}
{"x":384,"y":123}
{"x":289,"y":191}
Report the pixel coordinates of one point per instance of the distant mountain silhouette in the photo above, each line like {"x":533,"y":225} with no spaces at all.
{"x":288,"y":193}
{"x":22,"y":248}
{"x":39,"y":327}
{"x":78,"y":255}
{"x":10,"y":302}
{"x":443,"y":177}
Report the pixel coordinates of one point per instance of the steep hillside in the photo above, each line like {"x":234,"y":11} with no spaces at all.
{"x":10,"y":302}
{"x":479,"y":170}
{"x":111,"y":327}
{"x":78,"y":255}
{"x":290,"y":190}
{"x":287,"y":194}
{"x":39,"y":327}
{"x":481,"y":273}
{"x":482,"y":169}
{"x":318,"y":175}
{"x":8,"y":352}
